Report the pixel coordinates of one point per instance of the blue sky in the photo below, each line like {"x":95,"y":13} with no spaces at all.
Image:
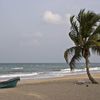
{"x":37,"y":30}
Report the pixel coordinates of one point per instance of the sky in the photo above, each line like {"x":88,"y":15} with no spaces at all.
{"x":36,"y":31}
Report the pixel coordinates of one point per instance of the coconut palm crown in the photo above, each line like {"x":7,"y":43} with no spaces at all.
{"x":85,"y":33}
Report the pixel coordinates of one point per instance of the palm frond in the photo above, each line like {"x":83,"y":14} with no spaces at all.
{"x":79,"y":17}
{"x":96,"y":49}
{"x":93,"y":18}
{"x":77,"y":56}
{"x":93,"y":42}
{"x":69,"y":52}
{"x":94,"y":39}
{"x":72,"y":19}
{"x":74,"y":37}
{"x":73,"y":61}
{"x":88,"y":20}
{"x":74,"y":24}
{"x":96,"y":33}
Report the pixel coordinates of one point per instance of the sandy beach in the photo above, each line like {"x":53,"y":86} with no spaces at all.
{"x":64,"y":88}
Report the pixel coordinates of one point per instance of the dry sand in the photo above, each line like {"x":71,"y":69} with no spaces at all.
{"x":64,"y":88}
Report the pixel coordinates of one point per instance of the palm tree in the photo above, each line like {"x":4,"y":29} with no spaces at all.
{"x":85,"y":33}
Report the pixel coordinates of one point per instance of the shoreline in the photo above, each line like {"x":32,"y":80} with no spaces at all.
{"x":45,"y":76}
{"x":66,"y":77}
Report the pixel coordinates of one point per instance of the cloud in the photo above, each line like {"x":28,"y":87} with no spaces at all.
{"x":31,"y":39}
{"x":51,"y":17}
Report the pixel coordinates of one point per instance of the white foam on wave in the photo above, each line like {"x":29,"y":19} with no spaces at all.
{"x":67,"y":71}
{"x":50,"y":74}
{"x":80,"y":70}
{"x":17,"y":68}
{"x":18,"y":75}
{"x":95,"y":69}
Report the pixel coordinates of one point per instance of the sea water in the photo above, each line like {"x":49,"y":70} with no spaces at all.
{"x":42,"y":70}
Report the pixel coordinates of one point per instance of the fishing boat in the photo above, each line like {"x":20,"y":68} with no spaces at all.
{"x":9,"y":83}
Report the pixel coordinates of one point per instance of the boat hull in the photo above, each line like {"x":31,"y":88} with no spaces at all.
{"x":10,"y":83}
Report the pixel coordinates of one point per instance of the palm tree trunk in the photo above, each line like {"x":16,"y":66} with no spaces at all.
{"x":88,"y":72}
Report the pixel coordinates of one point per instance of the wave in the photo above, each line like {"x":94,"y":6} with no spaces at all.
{"x":19,"y":75}
{"x":67,"y":71}
{"x":95,"y":69}
{"x":81,"y":70}
{"x":17,"y":68}
{"x":48,"y":74}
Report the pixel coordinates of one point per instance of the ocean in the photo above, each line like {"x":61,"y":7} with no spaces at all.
{"x":42,"y":70}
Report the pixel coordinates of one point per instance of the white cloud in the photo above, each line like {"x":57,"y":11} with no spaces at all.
{"x":31,"y":39}
{"x":51,"y":17}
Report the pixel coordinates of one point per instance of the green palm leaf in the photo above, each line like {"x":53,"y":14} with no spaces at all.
{"x":69,"y":52}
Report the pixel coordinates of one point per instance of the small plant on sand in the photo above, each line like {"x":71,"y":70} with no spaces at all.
{"x":85,"y":33}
